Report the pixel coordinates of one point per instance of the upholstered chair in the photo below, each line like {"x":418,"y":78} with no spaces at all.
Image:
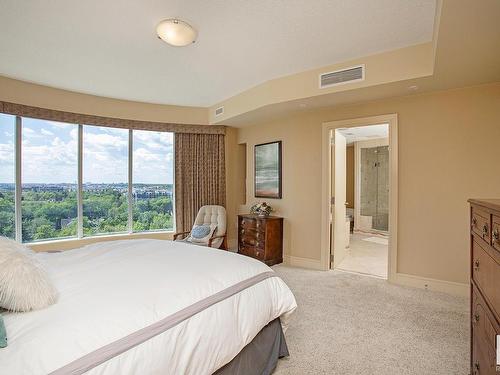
{"x":209,"y":228}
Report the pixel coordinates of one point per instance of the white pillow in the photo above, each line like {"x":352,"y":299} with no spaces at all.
{"x":24,"y":283}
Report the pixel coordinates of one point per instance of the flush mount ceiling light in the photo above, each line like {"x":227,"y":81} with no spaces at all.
{"x":176,"y":32}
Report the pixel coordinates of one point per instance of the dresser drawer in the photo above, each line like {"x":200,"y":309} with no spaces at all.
{"x":480,"y":223}
{"x":252,"y":252}
{"x":483,"y":322}
{"x":248,"y":224}
{"x":495,"y":232}
{"x":486,"y":273}
{"x":483,"y":357}
{"x":484,"y":330}
{"x":254,"y":240}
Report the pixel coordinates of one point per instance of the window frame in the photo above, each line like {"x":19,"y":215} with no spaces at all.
{"x":79,"y":232}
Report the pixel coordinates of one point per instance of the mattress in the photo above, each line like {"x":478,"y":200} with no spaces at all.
{"x":111,"y":291}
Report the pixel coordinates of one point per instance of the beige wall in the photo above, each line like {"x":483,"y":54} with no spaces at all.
{"x":20,"y":92}
{"x":234,"y":177}
{"x":350,"y":176}
{"x":448,"y":152}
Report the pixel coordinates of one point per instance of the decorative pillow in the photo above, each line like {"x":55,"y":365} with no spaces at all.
{"x":3,"y":334}
{"x":202,"y":233}
{"x":24,"y":283}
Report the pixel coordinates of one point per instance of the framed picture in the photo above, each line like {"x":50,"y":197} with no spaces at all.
{"x":267,"y":162}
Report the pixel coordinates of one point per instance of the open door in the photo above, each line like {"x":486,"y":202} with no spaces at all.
{"x":338,"y":228}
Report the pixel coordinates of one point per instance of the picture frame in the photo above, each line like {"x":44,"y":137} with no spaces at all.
{"x":268,"y":170}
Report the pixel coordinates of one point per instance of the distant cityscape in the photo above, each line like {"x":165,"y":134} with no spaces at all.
{"x":139,"y":191}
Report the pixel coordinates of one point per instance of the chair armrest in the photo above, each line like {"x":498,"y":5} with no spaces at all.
{"x":214,"y":238}
{"x":180,"y":234}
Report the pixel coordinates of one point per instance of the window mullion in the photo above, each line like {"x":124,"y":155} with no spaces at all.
{"x":79,"y":194}
{"x":18,"y":191}
{"x":130,"y":169}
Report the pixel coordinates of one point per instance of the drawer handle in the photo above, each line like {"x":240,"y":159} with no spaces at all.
{"x":476,"y":265}
{"x":496,"y":235}
{"x":476,"y":368}
{"x":485,"y":230}
{"x":475,"y":319}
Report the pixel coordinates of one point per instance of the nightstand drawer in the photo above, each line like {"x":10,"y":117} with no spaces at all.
{"x":252,"y":252}
{"x":257,"y":240}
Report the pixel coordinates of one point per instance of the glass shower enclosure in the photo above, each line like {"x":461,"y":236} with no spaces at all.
{"x":374,"y":186}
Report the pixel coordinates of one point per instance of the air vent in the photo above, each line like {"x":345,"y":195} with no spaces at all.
{"x":340,"y":77}
{"x":219,"y":111}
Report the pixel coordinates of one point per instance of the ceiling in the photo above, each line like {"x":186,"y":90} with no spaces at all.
{"x":467,"y":53}
{"x":365,"y":133}
{"x":109,"y":48}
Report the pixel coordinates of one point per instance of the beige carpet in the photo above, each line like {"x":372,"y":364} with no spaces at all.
{"x":351,"y":324}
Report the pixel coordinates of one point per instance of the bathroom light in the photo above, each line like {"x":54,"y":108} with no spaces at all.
{"x":176,"y":32}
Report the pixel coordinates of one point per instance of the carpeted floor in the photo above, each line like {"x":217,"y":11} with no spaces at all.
{"x":350,"y":324}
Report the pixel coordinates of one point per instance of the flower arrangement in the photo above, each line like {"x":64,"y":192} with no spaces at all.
{"x":261,"y":209}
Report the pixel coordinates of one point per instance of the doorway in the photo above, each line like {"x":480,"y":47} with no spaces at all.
{"x":360,"y":187}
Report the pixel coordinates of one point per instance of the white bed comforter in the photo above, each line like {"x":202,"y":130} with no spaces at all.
{"x":111,"y":289}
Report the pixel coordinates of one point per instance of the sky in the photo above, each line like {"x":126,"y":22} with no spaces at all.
{"x":49,"y":153}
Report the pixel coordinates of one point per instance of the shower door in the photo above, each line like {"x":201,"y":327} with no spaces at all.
{"x":374,"y":187}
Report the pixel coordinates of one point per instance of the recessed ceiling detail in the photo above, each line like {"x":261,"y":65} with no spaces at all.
{"x":112,"y":52}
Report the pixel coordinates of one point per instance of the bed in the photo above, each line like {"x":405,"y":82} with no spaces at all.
{"x":147,"y":307}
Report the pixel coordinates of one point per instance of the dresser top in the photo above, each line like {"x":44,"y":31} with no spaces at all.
{"x":254,"y":216}
{"x":493,"y":204}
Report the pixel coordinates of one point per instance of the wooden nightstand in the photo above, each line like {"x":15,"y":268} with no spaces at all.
{"x":261,"y":238}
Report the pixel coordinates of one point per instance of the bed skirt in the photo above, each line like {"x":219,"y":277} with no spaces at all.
{"x":261,"y":355}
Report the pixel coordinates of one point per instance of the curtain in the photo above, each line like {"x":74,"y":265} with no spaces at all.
{"x":200,"y":175}
{"x":78,"y":118}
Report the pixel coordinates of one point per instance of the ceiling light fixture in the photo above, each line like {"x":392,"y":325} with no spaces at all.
{"x":176,"y":32}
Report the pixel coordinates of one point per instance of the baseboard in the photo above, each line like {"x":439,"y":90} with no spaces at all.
{"x":449,"y":287}
{"x":309,"y":263}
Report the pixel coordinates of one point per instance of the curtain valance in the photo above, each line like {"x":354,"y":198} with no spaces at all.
{"x":78,"y":118}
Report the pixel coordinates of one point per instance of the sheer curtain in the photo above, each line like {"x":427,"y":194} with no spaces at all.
{"x":200,"y":175}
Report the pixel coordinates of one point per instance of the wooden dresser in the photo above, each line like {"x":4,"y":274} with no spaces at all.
{"x":261,"y":238}
{"x":485,"y":284}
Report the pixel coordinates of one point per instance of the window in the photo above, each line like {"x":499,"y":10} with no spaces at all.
{"x":152,"y":181}
{"x":81,"y":180}
{"x":7,"y":176}
{"x":105,"y":180}
{"x":49,"y":179}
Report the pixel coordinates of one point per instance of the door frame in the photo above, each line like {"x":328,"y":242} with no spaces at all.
{"x":326,"y":185}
